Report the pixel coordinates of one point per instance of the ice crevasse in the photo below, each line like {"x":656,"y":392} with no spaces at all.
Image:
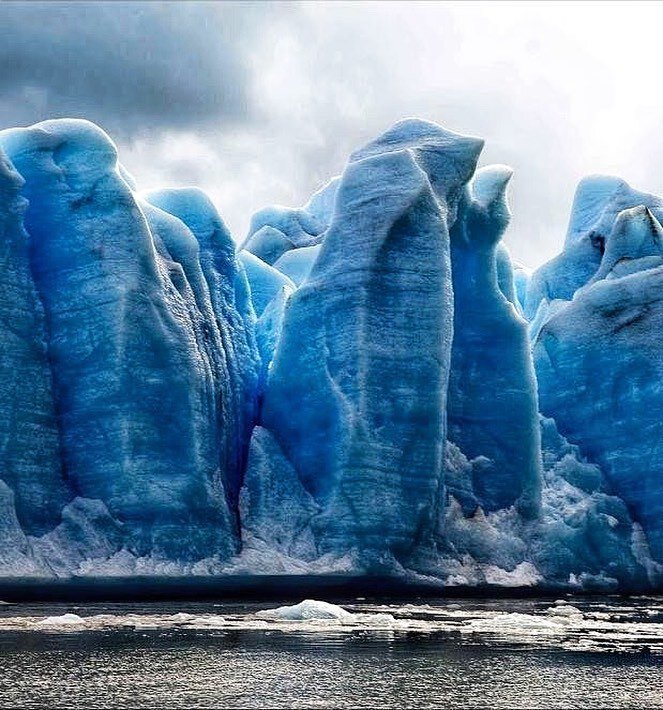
{"x":367,"y":384}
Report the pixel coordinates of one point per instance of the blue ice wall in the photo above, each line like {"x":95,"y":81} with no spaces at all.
{"x":598,"y":201}
{"x":356,"y":397}
{"x":491,"y":363}
{"x":599,"y":363}
{"x":134,"y":385}
{"x":30,"y":456}
{"x":222,"y":295}
{"x":353,"y":391}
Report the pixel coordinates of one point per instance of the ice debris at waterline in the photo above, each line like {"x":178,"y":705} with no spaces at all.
{"x":586,"y":624}
{"x":368,"y":386}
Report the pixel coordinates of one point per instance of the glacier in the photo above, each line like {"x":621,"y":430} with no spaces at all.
{"x":491,"y":365}
{"x":366,"y":385}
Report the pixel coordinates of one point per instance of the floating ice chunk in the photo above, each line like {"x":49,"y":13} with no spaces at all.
{"x":62,"y":620}
{"x":305,"y":611}
{"x":514,"y":624}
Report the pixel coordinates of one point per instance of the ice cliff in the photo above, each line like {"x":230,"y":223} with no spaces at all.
{"x":139,"y":354}
{"x":599,"y":360}
{"x":367,"y":385}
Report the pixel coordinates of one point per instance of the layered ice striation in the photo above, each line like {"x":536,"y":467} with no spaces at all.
{"x":599,"y":199}
{"x":368,"y":384}
{"x":491,"y":364}
{"x":599,"y":362}
{"x":355,"y":407}
{"x":30,"y":457}
{"x":132,"y":319}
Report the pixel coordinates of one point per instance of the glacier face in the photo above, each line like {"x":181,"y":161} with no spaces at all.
{"x":30,"y":458}
{"x":491,"y":365}
{"x":600,"y":366}
{"x":356,"y":407}
{"x":135,"y":355}
{"x":368,"y":384}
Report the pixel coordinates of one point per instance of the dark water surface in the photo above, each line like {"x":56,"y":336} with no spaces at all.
{"x":447,"y":653}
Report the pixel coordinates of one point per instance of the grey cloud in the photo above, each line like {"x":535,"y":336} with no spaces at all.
{"x":261,"y":103}
{"x":127,"y":66}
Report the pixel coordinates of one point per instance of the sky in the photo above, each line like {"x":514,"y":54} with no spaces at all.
{"x":261,"y":103}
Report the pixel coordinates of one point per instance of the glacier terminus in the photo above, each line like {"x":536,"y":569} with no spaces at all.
{"x":364,"y":385}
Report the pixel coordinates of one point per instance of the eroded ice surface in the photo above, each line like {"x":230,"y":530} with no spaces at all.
{"x":491,"y":367}
{"x":600,"y":368}
{"x":368,"y":384}
{"x":355,"y":407}
{"x":136,"y":358}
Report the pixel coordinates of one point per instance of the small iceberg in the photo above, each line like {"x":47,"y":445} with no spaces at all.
{"x":62,"y":620}
{"x":305,"y":611}
{"x":568,"y":611}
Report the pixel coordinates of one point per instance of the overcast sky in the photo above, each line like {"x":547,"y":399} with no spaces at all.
{"x":261,"y":103}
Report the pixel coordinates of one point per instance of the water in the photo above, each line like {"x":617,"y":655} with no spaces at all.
{"x":445,"y":653}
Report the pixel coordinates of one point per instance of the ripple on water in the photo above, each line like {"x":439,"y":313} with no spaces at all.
{"x":501,"y":653}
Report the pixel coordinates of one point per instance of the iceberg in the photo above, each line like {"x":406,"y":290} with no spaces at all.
{"x":368,"y":385}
